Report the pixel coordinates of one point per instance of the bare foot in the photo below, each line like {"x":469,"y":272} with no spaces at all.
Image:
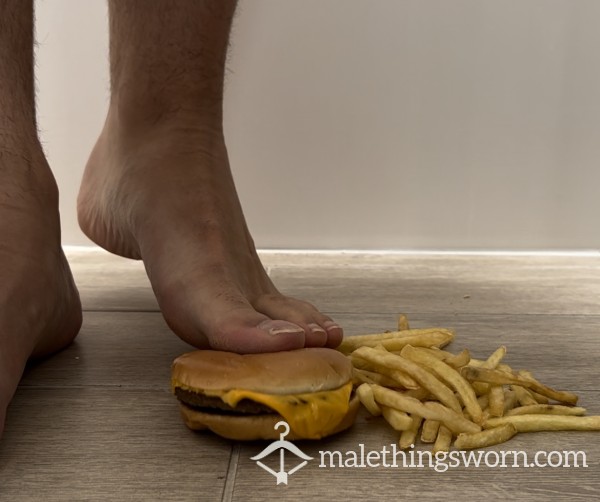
{"x":165,"y":194}
{"x":40,"y":312}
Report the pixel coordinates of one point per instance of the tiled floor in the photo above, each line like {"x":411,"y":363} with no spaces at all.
{"x":97,"y":421}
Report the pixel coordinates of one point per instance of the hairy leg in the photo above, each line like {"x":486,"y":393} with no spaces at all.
{"x":40,"y":311}
{"x":158,"y":185}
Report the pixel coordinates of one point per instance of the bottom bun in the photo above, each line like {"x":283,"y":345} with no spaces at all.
{"x":251,"y":427}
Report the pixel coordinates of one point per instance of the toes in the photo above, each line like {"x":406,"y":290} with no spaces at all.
{"x":316,"y":336}
{"x":226,"y":320}
{"x":245,"y":336}
{"x":321,"y":331}
{"x":335,"y":333}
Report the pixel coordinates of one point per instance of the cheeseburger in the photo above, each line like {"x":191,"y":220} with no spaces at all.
{"x":242,"y":397}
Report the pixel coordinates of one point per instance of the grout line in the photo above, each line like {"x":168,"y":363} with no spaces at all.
{"x":429,"y":252}
{"x":122,"y":310}
{"x":231,"y":473}
{"x":374,"y":313}
{"x":394,"y":252}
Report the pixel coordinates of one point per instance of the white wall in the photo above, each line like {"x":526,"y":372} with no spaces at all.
{"x":377,"y":124}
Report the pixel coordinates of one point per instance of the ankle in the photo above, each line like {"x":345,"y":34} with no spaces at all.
{"x":178,"y":133}
{"x":142,"y":113}
{"x":24,"y":170}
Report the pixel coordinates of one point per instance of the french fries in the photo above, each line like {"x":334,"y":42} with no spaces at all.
{"x":450,"y":376}
{"x":399,"y":420}
{"x":546,"y":409}
{"x":400,"y":378}
{"x":496,"y":401}
{"x":491,"y":362}
{"x":408,"y":437}
{"x":458,"y":360}
{"x":367,"y":399}
{"x":429,"y":431}
{"x":396,"y":340}
{"x":366,"y":376}
{"x":535,"y":423}
{"x":486,"y":437}
{"x":454,"y":421}
{"x":430,"y":409}
{"x":503,"y":377}
{"x":403,"y":323}
{"x":405,"y":376}
{"x":416,"y":372}
{"x":510,"y":400}
{"x":524,"y":397}
{"x":443,"y":440}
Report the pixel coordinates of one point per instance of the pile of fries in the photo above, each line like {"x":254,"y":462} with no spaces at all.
{"x":406,"y":377}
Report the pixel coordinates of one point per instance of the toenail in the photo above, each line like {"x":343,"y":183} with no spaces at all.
{"x":280,"y":328}
{"x":315,"y":328}
{"x":329,"y":325}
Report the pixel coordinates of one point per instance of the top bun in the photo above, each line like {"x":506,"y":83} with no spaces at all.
{"x":290,"y":372}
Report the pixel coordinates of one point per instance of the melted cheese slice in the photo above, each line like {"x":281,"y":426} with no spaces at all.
{"x":311,"y":415}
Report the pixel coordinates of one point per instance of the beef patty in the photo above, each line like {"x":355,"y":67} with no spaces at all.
{"x":212,"y":404}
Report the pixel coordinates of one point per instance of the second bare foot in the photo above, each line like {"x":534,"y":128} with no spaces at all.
{"x":40,"y":312}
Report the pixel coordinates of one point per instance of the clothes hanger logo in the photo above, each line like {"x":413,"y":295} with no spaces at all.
{"x":283,"y":446}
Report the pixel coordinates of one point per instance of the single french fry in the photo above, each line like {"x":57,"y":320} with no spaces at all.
{"x":537,"y":422}
{"x":419,"y":337}
{"x":409,"y":436}
{"x":510,"y":400}
{"x":429,"y":430}
{"x":486,"y":375}
{"x":366,"y":397}
{"x":435,"y":339}
{"x":494,"y":359}
{"x":506,"y":368}
{"x":443,"y":440}
{"x":430,"y":409}
{"x":360,"y":364}
{"x":539,"y":398}
{"x":442,"y":355}
{"x":496,"y":401}
{"x":450,"y":376}
{"x":454,"y":360}
{"x":546,"y":409}
{"x":459,"y":360}
{"x":423,"y":377}
{"x":398,"y":400}
{"x":523,"y":395}
{"x":399,"y":420}
{"x":480,"y":388}
{"x":484,"y":401}
{"x":485,"y":438}
{"x":403,"y":323}
{"x":476,"y":363}
{"x":421,"y":394}
{"x":527,"y":374}
{"x":502,"y":378}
